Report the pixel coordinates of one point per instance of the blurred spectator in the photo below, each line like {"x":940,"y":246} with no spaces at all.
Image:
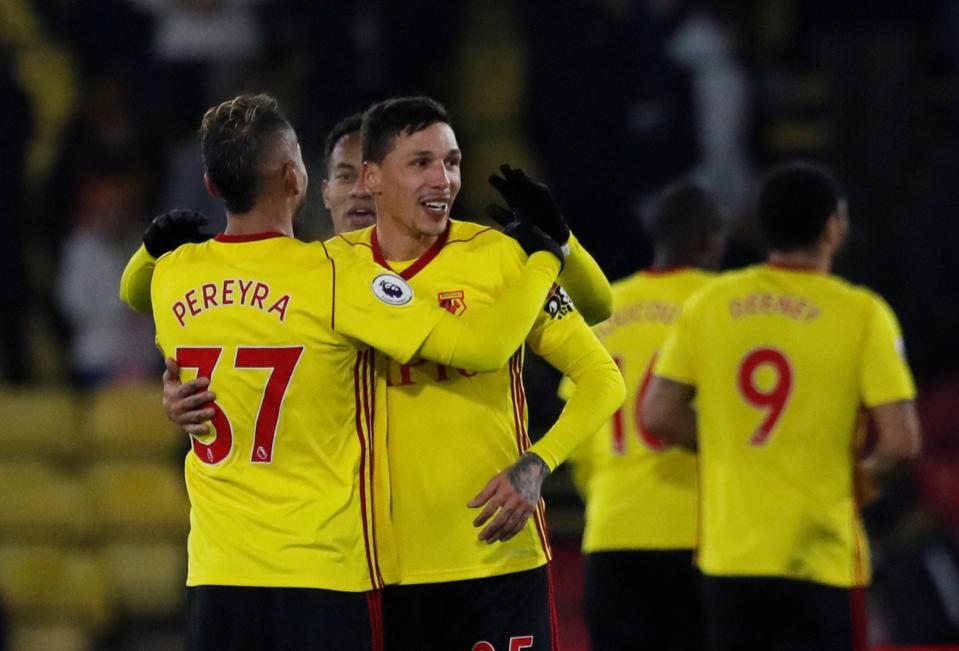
{"x":83,"y":26}
{"x":206,"y":51}
{"x":108,"y":341}
{"x":671,"y":100}
{"x":107,"y":133}
{"x":15,"y":290}
{"x":702,"y":47}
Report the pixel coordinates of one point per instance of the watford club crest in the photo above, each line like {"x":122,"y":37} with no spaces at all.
{"x":452,"y":302}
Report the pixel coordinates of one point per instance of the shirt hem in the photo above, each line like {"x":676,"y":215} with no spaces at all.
{"x":277,"y":582}
{"x":472,"y":573}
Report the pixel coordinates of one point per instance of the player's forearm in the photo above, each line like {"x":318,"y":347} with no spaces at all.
{"x":599,"y":393}
{"x":899,"y":433}
{"x":135,"y":282}
{"x":484,"y":340}
{"x":586,"y":284}
{"x":667,"y":413}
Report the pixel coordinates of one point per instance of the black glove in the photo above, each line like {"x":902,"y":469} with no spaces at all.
{"x":533,"y":199}
{"x":173,"y":228}
{"x":531,"y":238}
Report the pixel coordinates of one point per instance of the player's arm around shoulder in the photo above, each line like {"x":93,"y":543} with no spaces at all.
{"x":164,"y":234}
{"x":887,"y":386}
{"x":136,"y":279}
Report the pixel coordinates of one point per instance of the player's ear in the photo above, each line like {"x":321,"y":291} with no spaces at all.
{"x":834,"y":233}
{"x":325,"y":187}
{"x":370,"y":177}
{"x":210,"y":188}
{"x":291,"y":179}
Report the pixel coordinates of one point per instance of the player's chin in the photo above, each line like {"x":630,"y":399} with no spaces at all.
{"x":431,"y":224}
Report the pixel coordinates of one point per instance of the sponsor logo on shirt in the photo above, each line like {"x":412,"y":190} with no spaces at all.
{"x":392,"y":290}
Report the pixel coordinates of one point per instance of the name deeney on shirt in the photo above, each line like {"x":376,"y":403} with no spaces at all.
{"x":230,"y":291}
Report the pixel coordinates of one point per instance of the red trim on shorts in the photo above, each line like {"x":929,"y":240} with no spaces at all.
{"x":248,"y":237}
{"x":857,"y":613}
{"x":553,"y":619}
{"x":358,"y":407}
{"x":421,"y":261}
{"x":374,"y":601}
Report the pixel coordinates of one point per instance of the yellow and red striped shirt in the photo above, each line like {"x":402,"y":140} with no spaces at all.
{"x":448,"y":431}
{"x":782,"y":360}
{"x":283,"y":491}
{"x":639,"y":494}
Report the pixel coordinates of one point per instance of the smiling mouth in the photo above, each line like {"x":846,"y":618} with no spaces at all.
{"x":361,"y":213}
{"x":436,"y":207}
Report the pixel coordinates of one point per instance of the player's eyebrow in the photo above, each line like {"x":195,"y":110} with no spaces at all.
{"x":343,"y":165}
{"x":429,"y":153}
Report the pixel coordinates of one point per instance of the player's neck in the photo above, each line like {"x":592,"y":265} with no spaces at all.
{"x":814,"y":260}
{"x":259,"y":220}
{"x":398,"y":243}
{"x":663,"y":260}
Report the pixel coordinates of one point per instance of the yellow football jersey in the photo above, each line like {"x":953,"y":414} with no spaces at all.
{"x":450,"y":431}
{"x":283,"y":490}
{"x":639,"y":493}
{"x":782,"y":360}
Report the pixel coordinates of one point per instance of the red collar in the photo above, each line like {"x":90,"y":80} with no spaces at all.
{"x":249,"y":237}
{"x":420,"y":262}
{"x":667,"y":270}
{"x":795,"y":267}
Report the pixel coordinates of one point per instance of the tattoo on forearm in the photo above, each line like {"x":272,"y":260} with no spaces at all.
{"x":527,"y":475}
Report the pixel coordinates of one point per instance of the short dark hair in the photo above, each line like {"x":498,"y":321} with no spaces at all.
{"x":385,"y":120}
{"x":347,"y":126}
{"x":235,"y":137}
{"x":681,"y":215}
{"x":793,"y":203}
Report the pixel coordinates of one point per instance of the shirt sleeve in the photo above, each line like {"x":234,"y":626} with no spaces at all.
{"x":565,"y":388}
{"x":884,"y":374}
{"x":676,"y":359}
{"x":380,"y":309}
{"x":599,"y":389}
{"x":136,"y":279}
{"x":586,"y":283}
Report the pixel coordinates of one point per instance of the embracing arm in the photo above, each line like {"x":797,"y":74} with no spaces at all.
{"x":135,"y":282}
{"x":165,"y":233}
{"x":484,"y":340}
{"x":586,"y":284}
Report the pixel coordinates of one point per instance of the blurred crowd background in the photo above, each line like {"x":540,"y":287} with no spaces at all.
{"x":607,"y":100}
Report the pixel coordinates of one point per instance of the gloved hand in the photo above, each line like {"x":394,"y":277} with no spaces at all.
{"x":533,"y":199}
{"x":531,"y":238}
{"x":173,"y":228}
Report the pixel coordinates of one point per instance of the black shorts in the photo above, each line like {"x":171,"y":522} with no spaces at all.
{"x":511,"y":612}
{"x":643,"y":599}
{"x":778,"y":614}
{"x":282,"y":619}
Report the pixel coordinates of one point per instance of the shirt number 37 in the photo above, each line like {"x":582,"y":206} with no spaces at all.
{"x":280,"y":361}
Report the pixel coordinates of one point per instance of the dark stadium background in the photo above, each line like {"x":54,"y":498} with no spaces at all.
{"x":606,"y":99}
